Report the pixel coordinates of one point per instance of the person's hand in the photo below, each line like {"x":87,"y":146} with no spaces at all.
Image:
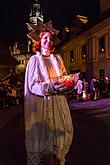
{"x":59,"y":85}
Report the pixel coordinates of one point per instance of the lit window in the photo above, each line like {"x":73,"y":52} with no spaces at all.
{"x":67,"y":29}
{"x":102,"y":44}
{"x":71,"y":56}
{"x":84,"y":53}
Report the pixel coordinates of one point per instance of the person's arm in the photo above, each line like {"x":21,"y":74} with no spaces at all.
{"x":61,"y":65}
{"x":32,"y":79}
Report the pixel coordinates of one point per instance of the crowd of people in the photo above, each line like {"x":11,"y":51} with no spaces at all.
{"x":84,"y":90}
{"x":93,"y":90}
{"x":10,"y":94}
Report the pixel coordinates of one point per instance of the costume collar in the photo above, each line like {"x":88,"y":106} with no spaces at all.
{"x":45,"y":52}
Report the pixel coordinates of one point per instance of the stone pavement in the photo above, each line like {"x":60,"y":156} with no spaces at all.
{"x":91,"y":142}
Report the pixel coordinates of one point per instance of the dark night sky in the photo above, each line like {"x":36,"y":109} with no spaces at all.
{"x":14,"y":14}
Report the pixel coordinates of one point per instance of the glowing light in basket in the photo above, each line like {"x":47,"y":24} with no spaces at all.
{"x":70,"y":80}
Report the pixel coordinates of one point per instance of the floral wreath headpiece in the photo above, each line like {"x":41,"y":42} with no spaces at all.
{"x":35,"y":29}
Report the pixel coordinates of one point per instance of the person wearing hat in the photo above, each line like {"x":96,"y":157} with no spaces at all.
{"x":48,"y":123}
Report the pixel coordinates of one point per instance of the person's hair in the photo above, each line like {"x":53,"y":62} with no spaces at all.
{"x":37,"y":44}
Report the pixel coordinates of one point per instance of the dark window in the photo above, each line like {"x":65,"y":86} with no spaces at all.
{"x":83,"y":75}
{"x":102,"y":44}
{"x":102,"y":74}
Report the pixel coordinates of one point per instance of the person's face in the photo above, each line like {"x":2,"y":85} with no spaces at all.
{"x":46,"y":41}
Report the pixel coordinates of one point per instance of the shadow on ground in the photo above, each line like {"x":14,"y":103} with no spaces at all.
{"x":91,"y":143}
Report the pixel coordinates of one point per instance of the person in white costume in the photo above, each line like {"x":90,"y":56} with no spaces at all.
{"x":48,"y":124}
{"x":79,"y":88}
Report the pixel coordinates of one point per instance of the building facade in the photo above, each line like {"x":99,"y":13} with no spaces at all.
{"x":89,"y":51}
{"x":7,"y":62}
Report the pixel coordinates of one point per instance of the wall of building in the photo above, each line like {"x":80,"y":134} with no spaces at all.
{"x":95,"y":61}
{"x":104,"y":5}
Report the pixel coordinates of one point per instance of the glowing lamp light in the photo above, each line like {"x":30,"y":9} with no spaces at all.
{"x":84,"y":95}
{"x":69,"y":83}
{"x":84,"y":55}
{"x":82,"y":18}
{"x":68,"y":80}
{"x":67,"y":29}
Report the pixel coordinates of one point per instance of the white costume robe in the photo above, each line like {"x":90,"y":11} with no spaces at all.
{"x":48,"y":124}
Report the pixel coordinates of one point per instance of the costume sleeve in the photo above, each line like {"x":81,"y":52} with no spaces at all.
{"x":33,"y":83}
{"x":61,"y":65}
